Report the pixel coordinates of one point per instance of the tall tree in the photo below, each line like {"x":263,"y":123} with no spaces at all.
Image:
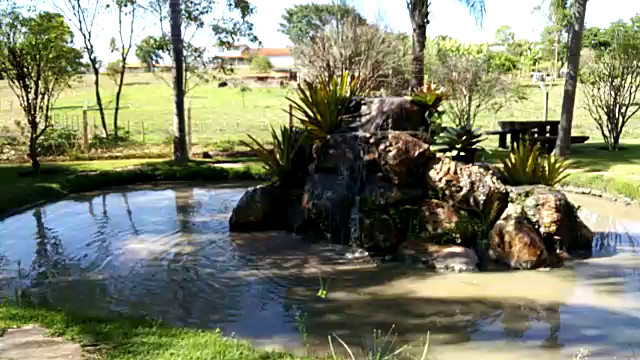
{"x":611,"y":79}
{"x":560,"y":17}
{"x":149,"y":51}
{"x":38,"y":61}
{"x":83,"y":14}
{"x":126,"y":10}
{"x":226,"y":21}
{"x":180,"y":147}
{"x":505,"y":35}
{"x":419,"y":14}
{"x":304,"y":22}
{"x":563,"y":144}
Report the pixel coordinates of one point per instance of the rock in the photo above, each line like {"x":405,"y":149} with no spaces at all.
{"x":390,"y":113}
{"x":515,"y":242}
{"x":440,"y":217}
{"x":405,"y":158}
{"x":556,"y":219}
{"x":327,"y":203}
{"x":267,"y":207}
{"x":378,"y":233}
{"x":469,"y":187}
{"x":441,"y":257}
{"x":454,"y":258}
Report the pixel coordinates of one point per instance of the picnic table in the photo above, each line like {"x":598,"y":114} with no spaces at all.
{"x":543,"y":132}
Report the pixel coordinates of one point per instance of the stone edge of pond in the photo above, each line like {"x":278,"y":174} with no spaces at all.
{"x":599,"y":194}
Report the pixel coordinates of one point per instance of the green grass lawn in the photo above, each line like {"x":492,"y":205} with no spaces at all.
{"x":219,"y":114}
{"x":131,"y":339}
{"x":221,"y":117}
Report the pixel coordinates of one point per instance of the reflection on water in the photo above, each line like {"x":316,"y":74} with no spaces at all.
{"x":167,"y":254}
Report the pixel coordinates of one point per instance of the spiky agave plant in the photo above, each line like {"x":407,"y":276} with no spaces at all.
{"x":523,"y":165}
{"x":528,"y":165}
{"x":554,"y":170}
{"x":321,"y":106}
{"x":280,"y":160}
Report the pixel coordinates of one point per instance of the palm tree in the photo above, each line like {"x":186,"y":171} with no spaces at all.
{"x":180,"y":150}
{"x":419,"y":14}
{"x":563,"y":145}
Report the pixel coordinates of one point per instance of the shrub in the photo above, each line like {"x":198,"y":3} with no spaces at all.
{"x":322,"y":106}
{"x":461,"y":142}
{"x":281,"y":161}
{"x":111,"y":141}
{"x":261,"y":64}
{"x":527,"y":165}
{"x":58,"y":141}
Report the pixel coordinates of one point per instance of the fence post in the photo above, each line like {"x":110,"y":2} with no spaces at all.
{"x":290,"y":115}
{"x":85,"y":129}
{"x":189,"y":134}
{"x":546,"y":106}
{"x":142,"y":127}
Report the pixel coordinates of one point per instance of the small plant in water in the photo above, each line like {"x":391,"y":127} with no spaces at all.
{"x":324,"y":287}
{"x":381,"y":347}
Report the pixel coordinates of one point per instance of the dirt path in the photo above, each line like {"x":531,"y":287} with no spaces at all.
{"x":32,"y":342}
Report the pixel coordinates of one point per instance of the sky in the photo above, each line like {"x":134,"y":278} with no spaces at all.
{"x":448,"y":17}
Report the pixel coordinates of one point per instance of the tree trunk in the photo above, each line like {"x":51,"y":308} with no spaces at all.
{"x":118,"y":93}
{"x":33,"y":153}
{"x":417,"y":57}
{"x":563,"y":145}
{"x":418,"y":11}
{"x":180,"y":152}
{"x":96,"y":81}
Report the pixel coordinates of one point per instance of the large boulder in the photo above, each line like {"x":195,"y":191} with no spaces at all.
{"x":390,"y":113}
{"x":556,"y":218}
{"x":515,"y":242}
{"x":469,"y":187}
{"x":405,"y":159}
{"x":267,"y":207}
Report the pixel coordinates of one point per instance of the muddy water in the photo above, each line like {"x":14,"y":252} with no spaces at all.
{"x":167,"y":254}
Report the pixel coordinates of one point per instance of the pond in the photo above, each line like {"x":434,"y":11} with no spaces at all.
{"x":167,"y":254}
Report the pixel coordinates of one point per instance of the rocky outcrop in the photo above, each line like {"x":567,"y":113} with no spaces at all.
{"x":267,"y":207}
{"x":556,"y":219}
{"x":390,"y":113}
{"x":469,"y":187}
{"x":440,"y":257}
{"x":515,"y":242}
{"x":376,"y":190}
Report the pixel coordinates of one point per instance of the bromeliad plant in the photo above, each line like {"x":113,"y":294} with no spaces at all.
{"x":430,"y":97}
{"x":281,"y":160}
{"x":462,"y":143}
{"x":526,"y":164}
{"x":321,"y":106}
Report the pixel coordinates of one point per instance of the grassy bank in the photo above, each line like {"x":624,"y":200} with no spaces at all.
{"x":127,"y":339}
{"x":18,"y":188}
{"x":616,"y":173}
